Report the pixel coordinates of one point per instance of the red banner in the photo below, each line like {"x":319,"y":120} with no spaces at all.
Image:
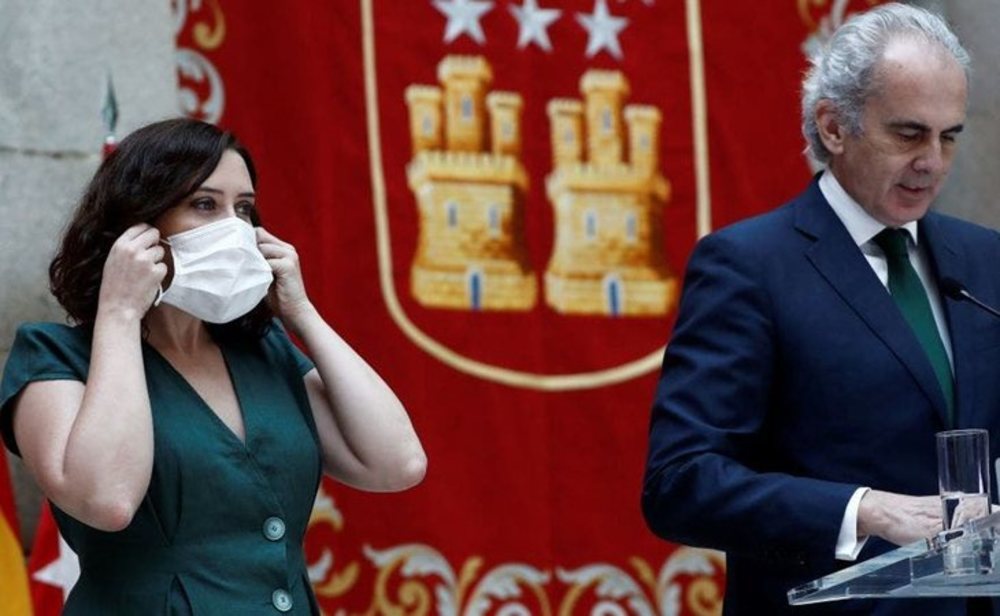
{"x":494,"y":202}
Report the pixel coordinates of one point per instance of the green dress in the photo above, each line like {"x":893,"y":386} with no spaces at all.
{"x":220,"y":530}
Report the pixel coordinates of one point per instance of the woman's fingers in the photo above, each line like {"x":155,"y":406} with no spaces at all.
{"x":157,"y":252}
{"x":266,"y":237}
{"x":135,"y":231}
{"x":149,"y":237}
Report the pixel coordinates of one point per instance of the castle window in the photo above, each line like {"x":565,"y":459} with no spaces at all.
{"x":590,"y":224}
{"x":507,"y":130}
{"x":630,"y":227}
{"x":452,"y":208}
{"x":614,"y":295}
{"x":427,"y":126}
{"x":475,"y":290}
{"x":568,"y":136}
{"x":644,"y":143}
{"x":606,"y":120}
{"x":466,"y":107}
{"x":493,"y":215}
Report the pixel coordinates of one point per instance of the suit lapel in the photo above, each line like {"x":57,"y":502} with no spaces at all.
{"x":948,"y":262}
{"x":839,"y":261}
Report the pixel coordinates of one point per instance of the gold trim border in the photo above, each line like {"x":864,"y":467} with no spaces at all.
{"x":467,"y":365}
{"x":699,"y":117}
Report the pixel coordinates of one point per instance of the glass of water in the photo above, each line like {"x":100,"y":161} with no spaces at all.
{"x":963,"y":475}
{"x":964,"y":483}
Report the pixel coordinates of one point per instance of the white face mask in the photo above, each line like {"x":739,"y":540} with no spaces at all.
{"x":219,"y":273}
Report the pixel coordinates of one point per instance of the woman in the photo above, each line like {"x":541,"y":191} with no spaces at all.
{"x":178,"y":433}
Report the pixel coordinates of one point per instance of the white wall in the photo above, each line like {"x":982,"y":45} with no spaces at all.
{"x":973,"y":190}
{"x":55,"y":56}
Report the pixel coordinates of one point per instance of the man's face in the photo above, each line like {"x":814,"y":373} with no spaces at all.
{"x":896,"y":165}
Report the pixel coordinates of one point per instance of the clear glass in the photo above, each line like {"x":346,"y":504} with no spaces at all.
{"x":964,"y":485}
{"x":963,"y":475}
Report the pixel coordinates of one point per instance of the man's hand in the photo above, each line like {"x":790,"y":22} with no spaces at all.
{"x":899,"y":518}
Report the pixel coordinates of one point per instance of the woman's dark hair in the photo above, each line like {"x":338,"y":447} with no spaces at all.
{"x":152,"y":170}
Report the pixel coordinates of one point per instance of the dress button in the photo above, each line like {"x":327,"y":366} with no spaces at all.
{"x":274,"y":528}
{"x":282,"y":600}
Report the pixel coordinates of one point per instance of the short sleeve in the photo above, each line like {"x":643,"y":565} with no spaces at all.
{"x":40,"y":352}
{"x":294,"y":364}
{"x":280,"y":338}
{"x":302,"y":362}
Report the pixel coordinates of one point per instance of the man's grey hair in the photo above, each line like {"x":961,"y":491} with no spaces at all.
{"x":843,"y":69}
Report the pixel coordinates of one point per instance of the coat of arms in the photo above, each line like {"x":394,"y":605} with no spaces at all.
{"x":533,"y":172}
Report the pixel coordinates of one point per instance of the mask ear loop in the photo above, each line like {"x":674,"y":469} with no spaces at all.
{"x":159,"y":287}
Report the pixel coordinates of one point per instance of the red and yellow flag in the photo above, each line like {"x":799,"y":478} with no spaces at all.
{"x":14,"y":598}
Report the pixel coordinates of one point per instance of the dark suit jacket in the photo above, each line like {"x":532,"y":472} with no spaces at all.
{"x":791,"y":380}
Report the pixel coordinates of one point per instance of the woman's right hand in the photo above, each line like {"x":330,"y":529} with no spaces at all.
{"x":133,"y":272}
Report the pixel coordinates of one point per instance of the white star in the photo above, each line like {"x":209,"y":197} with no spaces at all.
{"x":603,"y":29}
{"x":532,"y":22}
{"x":62,"y":572}
{"x":463,"y":18}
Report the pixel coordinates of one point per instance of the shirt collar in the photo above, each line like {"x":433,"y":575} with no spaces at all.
{"x":859,"y":223}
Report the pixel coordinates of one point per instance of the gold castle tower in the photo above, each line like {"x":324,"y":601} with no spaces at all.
{"x":608,"y":253}
{"x":469,"y":184}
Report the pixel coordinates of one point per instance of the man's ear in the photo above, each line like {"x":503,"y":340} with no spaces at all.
{"x":831,"y":131}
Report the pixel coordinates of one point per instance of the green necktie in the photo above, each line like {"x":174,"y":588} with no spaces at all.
{"x":909,"y":294}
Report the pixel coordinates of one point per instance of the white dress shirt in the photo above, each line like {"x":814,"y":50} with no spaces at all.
{"x":863,"y":229}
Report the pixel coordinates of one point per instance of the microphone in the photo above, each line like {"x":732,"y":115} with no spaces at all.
{"x":956,"y":290}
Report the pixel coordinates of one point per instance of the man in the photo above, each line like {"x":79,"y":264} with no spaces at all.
{"x":814,"y":356}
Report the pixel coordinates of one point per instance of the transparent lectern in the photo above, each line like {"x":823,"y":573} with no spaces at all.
{"x":961,"y":562}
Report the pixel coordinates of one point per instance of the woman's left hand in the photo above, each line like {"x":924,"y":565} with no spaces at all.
{"x":287,"y":296}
